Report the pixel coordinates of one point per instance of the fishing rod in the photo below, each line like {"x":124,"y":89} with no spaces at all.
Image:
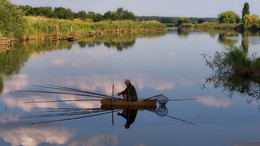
{"x":38,"y":91}
{"x":73,"y":90}
{"x":66,"y":119}
{"x":67,"y":100}
{"x":64,"y":114}
{"x":77,"y":90}
{"x":179,"y":119}
{"x":153,"y":97}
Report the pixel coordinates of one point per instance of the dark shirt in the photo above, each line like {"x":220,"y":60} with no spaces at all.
{"x":130,"y":92}
{"x":129,"y":115}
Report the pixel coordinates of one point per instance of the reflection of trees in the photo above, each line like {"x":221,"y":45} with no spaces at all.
{"x":225,"y":41}
{"x":234,"y":71}
{"x":183,"y":32}
{"x":1,"y":84}
{"x":118,"y":41}
{"x":11,"y":62}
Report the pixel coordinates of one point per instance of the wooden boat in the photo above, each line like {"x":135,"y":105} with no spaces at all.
{"x":120,"y":104}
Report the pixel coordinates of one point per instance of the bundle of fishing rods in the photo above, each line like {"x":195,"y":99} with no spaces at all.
{"x":89,"y":96}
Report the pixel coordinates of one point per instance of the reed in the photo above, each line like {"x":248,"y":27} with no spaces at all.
{"x":37,"y":27}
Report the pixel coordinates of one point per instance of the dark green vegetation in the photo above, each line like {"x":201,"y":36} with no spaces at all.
{"x":63,"y":13}
{"x":245,"y":10}
{"x":14,"y":24}
{"x":234,"y":71}
{"x":173,"y":21}
{"x":228,"y":17}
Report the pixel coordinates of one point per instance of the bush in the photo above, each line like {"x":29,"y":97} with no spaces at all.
{"x":14,"y":23}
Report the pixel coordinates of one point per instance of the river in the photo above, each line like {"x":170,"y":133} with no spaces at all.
{"x":169,"y":63}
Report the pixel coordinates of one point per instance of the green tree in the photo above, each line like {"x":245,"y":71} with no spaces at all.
{"x":12,"y":23}
{"x":182,"y":20}
{"x":90,"y":14}
{"x":62,"y":13}
{"x":97,"y":17}
{"x":245,"y":10}
{"x":120,"y":13}
{"x":82,"y":15}
{"x":108,"y":15}
{"x":228,"y":17}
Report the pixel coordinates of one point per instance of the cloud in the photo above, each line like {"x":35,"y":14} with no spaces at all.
{"x":58,"y":61}
{"x":33,"y":136}
{"x":6,"y":117}
{"x":99,"y":140}
{"x":15,"y":82}
{"x":213,"y":102}
{"x":80,"y":104}
{"x":185,"y":82}
{"x":13,"y":100}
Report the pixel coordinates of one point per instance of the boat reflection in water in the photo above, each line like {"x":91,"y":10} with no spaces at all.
{"x":109,"y":105}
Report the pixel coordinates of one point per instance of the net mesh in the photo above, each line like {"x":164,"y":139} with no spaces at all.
{"x":162,"y":99}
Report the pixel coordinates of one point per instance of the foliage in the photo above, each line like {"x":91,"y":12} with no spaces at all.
{"x":250,"y":20}
{"x":40,"y":26}
{"x":174,"y":20}
{"x":182,"y":20}
{"x":12,"y":22}
{"x":82,"y":15}
{"x":245,"y":10}
{"x":187,"y":25}
{"x":228,"y":17}
{"x":234,"y":71}
{"x":63,"y":13}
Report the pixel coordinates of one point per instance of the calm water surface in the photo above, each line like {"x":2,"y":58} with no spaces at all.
{"x":170,"y":63}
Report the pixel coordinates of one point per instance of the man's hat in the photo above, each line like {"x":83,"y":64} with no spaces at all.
{"x":127,"y":81}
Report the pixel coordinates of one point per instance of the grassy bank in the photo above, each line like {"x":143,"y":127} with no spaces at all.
{"x":39,"y":27}
{"x":221,"y":26}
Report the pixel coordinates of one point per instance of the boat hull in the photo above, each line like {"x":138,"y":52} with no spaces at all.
{"x":120,"y":104}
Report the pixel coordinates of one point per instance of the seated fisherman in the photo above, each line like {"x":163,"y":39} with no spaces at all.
{"x":129,"y":93}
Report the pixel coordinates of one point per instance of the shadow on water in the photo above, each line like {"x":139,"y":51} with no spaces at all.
{"x":235,"y":71}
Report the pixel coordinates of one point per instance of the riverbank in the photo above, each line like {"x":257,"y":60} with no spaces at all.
{"x":220,"y":26}
{"x":40,"y":28}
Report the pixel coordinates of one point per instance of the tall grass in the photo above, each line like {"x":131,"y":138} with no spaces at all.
{"x":40,"y":26}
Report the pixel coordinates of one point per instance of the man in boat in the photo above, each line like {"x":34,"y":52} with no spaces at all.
{"x":129,"y":93}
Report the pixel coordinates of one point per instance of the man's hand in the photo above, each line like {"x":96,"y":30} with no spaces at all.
{"x":119,"y":93}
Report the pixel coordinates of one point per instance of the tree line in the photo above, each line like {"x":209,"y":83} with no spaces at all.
{"x":248,"y":21}
{"x":66,"y":13}
{"x":176,"y":20}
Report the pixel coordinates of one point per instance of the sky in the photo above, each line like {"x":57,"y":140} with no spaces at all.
{"x":178,"y":8}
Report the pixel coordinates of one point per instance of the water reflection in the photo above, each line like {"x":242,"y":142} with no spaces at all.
{"x":234,"y":71}
{"x":118,"y":41}
{"x":18,"y":134}
{"x":129,"y":115}
{"x":222,"y":38}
